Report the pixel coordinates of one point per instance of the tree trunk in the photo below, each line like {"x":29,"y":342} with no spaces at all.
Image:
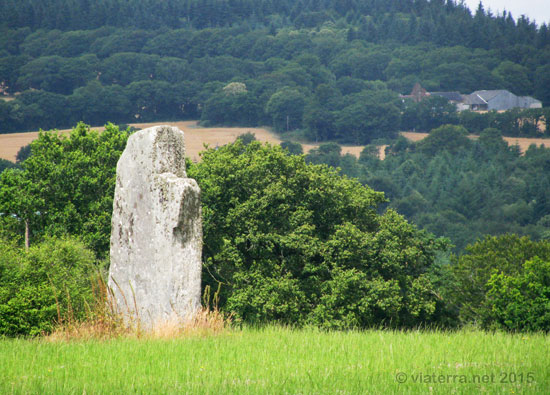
{"x":27,"y":235}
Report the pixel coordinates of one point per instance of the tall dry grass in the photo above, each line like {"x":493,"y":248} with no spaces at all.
{"x":105,"y":321}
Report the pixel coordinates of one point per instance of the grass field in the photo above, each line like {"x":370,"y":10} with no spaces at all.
{"x":279,"y":361}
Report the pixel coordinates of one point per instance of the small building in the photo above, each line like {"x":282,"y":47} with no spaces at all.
{"x":498,"y":100}
{"x":483,"y":100}
{"x":474,"y":102}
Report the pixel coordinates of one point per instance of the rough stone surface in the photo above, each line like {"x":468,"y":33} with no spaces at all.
{"x":156,"y":234}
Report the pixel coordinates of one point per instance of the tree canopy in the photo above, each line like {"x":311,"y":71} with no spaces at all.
{"x":298,"y":243}
{"x":332,"y":68}
{"x":66,"y":186}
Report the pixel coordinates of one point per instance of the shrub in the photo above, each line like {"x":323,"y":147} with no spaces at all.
{"x":474,"y":274}
{"x":6,"y":164}
{"x":292,"y":147}
{"x":522,"y":302}
{"x":247,"y":138}
{"x":40,"y":287}
{"x":23,"y":153}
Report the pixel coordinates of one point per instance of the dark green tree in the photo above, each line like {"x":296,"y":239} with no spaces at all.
{"x":445,"y":138}
{"x":286,"y":108}
{"x":296,"y":243}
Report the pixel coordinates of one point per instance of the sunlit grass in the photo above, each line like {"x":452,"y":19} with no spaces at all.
{"x":278,"y":360}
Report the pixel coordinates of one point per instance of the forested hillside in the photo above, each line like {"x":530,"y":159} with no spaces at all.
{"x":332,"y":69}
{"x":455,"y":187}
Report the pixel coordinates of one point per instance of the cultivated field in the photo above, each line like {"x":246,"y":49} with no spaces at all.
{"x":523,"y":143}
{"x":283,"y":361}
{"x":195,"y":138}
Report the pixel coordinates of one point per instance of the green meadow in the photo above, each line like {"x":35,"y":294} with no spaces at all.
{"x":277,"y":360}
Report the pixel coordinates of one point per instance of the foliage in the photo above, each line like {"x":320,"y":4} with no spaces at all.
{"x":6,"y":164}
{"x":20,"y":203}
{"x":247,"y":138}
{"x":332,"y":68}
{"x":445,"y":138}
{"x":23,"y":153}
{"x":286,"y":109}
{"x":67,"y":185}
{"x":297,"y":243}
{"x":292,"y":147}
{"x":39,"y":287}
{"x":231,"y":107}
{"x":428,"y":114}
{"x":490,"y":264}
{"x":522,"y":302}
{"x":456,"y":187}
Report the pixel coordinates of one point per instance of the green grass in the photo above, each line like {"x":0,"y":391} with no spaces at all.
{"x":277,"y":360}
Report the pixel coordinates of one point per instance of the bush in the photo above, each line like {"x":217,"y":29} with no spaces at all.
{"x":247,"y":138}
{"x":6,"y":164}
{"x":40,"y":287}
{"x":474,"y":275}
{"x":23,"y":153}
{"x":292,"y":147}
{"x":522,"y":302}
{"x":298,"y":244}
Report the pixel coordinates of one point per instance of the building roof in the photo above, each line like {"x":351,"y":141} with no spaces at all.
{"x":452,"y":96}
{"x":488,"y":95}
{"x":474,"y":99}
{"x":530,"y":100}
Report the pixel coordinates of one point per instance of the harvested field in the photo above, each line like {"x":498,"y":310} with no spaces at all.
{"x":413,"y":136}
{"x":195,"y":138}
{"x":11,"y":143}
{"x":522,"y":142}
{"x":346,"y":149}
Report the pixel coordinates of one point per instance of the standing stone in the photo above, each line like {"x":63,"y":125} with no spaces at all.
{"x":156,"y":233}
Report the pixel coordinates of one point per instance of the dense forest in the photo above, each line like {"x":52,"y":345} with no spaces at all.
{"x":456,"y":187}
{"x":332,"y":69}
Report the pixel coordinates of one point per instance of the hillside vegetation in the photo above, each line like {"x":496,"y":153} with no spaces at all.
{"x":331,"y":69}
{"x":446,"y":232}
{"x":457,"y":187}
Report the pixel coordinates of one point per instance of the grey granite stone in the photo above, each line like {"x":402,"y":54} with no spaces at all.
{"x":156,"y":235}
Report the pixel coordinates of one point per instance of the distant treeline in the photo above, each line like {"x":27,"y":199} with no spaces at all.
{"x":333,"y":69}
{"x":444,"y":22}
